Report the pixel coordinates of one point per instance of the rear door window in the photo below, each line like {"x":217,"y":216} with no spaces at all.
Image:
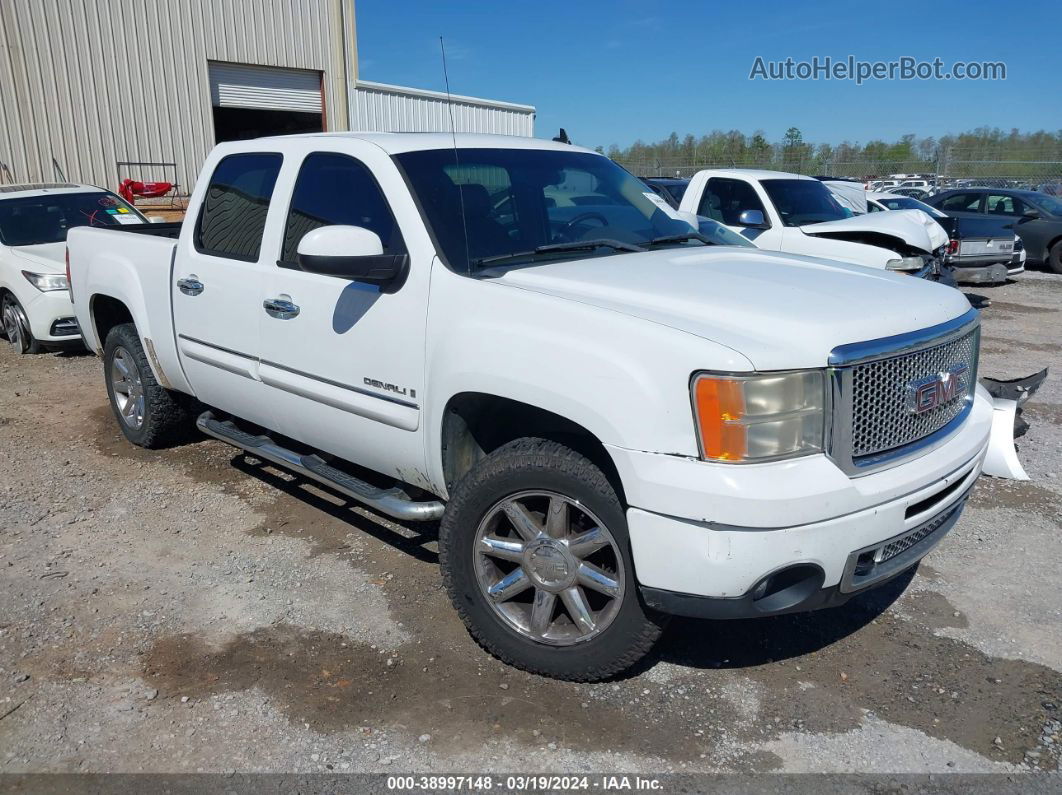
{"x":233,"y":217}
{"x":1002,"y":204}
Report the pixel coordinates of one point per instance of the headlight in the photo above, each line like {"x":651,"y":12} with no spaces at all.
{"x":750,"y":418}
{"x":905,"y":264}
{"x":46,"y":282}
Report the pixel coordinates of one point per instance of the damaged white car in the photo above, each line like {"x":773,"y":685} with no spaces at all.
{"x":799,"y":215}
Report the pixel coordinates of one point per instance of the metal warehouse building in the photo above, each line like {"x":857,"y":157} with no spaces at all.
{"x":99,"y":90}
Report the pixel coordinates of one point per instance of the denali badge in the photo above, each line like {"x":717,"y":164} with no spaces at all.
{"x":398,"y":390}
{"x":925,"y":394}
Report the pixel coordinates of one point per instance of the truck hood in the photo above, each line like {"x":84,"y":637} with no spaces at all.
{"x":780,"y":311}
{"x":913,"y":227}
{"x":43,"y":257}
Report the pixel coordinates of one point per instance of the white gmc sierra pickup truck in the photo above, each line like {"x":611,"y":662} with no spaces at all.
{"x":613,"y":419}
{"x":800,"y":215}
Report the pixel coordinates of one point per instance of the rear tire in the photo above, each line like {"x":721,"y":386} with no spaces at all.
{"x":17,"y":328}
{"x":1054,"y":257}
{"x":149,"y":415}
{"x":575,"y":612}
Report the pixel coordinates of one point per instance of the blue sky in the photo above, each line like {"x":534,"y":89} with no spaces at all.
{"x":613,"y":72}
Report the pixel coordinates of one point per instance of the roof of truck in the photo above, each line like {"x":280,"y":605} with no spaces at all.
{"x":756,"y":173}
{"x":396,"y":143}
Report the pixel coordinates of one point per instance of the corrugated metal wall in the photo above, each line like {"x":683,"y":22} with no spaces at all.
{"x":380,"y":107}
{"x":91,"y":82}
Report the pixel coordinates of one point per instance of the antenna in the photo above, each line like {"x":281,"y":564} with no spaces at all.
{"x":457,"y":159}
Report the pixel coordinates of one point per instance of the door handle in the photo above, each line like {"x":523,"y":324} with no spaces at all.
{"x":280,"y":308}
{"x":190,"y":286}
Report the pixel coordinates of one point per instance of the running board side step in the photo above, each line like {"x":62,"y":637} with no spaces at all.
{"x":393,"y":502}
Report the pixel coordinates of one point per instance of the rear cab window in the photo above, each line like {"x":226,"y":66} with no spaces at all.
{"x":233,"y":216}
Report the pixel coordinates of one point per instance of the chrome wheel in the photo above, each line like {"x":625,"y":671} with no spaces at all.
{"x":13,"y":326}
{"x":127,"y":388}
{"x":549,"y":568}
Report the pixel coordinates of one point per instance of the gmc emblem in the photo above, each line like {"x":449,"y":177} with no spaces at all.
{"x":926,"y":394}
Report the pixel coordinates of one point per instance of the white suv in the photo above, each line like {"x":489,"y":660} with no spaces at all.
{"x":35,"y":308}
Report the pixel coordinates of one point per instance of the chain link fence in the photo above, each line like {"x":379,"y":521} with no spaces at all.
{"x":949,"y":169}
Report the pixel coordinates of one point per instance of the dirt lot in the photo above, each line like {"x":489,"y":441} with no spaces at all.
{"x":191,"y":610}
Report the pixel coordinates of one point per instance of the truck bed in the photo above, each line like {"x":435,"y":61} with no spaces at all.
{"x":108,"y":265}
{"x":980,"y":239}
{"x":170,"y":229}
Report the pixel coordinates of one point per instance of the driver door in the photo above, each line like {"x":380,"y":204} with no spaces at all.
{"x":343,"y":365}
{"x":724,"y":199}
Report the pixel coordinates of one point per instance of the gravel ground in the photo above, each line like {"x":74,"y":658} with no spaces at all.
{"x":191,"y":610}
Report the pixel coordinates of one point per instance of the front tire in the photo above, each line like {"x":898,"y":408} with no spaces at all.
{"x":149,"y":415}
{"x":17,"y":328}
{"x":1054,"y":257}
{"x":536,"y":558}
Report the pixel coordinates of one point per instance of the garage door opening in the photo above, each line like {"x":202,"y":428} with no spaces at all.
{"x":240,"y":124}
{"x":254,"y":101}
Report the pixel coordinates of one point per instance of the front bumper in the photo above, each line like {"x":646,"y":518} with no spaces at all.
{"x":51,"y":315}
{"x":718,"y":532}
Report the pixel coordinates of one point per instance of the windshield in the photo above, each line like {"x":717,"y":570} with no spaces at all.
{"x":677,"y":190}
{"x":1048,"y":203}
{"x":907,"y":203}
{"x":501,"y":204}
{"x":721,"y":235}
{"x":48,"y":217}
{"x":804,"y":201}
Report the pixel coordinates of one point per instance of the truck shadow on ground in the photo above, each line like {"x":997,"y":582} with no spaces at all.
{"x":745,"y":643}
{"x":410,"y":538}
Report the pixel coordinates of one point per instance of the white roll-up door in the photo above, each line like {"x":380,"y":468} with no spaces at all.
{"x":234,"y":85}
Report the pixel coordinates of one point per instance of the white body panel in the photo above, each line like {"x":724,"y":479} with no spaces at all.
{"x":608,"y":343}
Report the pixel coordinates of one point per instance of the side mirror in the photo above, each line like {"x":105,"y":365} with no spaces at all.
{"x":753,"y":219}
{"x":351,"y":252}
{"x":1030,"y":215}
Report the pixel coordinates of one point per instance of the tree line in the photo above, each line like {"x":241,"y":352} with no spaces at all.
{"x":984,"y":146}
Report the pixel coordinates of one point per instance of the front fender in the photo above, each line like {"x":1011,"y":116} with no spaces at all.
{"x":624,"y":379}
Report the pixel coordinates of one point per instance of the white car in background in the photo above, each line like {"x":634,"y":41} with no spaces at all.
{"x":893,"y":201}
{"x":35,"y":308}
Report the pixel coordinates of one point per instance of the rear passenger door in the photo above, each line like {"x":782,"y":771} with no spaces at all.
{"x":219,"y":278}
{"x":345,"y":373}
{"x":1004,"y":205}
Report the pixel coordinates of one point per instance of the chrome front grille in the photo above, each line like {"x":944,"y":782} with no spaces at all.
{"x":881,"y":419}
{"x":878,"y":417}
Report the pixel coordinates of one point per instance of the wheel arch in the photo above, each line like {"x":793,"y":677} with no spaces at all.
{"x":106,"y":312}
{"x":1055,"y":241}
{"x":476,"y":423}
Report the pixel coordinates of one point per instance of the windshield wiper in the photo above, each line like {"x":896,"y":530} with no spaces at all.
{"x":681,"y":238}
{"x":555,"y":248}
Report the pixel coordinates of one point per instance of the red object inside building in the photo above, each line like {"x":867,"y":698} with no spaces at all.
{"x":129,"y":189}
